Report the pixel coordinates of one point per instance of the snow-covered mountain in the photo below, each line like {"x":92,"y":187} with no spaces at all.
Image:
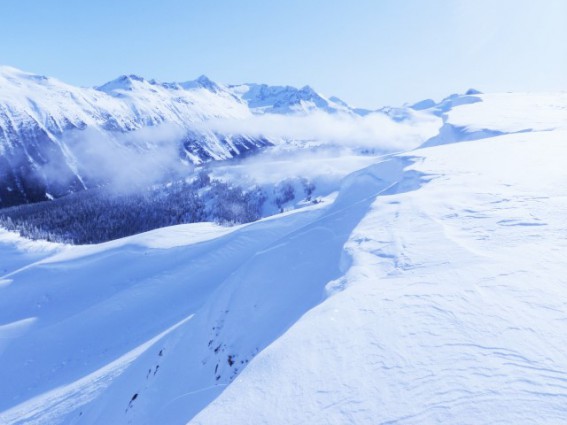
{"x":49,"y":129}
{"x":431,"y":290}
{"x":262,"y":98}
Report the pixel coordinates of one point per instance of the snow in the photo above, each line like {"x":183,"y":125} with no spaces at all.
{"x":430,"y":289}
{"x":43,"y":119}
{"x":452,"y":310}
{"x":55,"y":138}
{"x":80,"y":392}
{"x":17,"y":252}
{"x":91,"y":308}
{"x":262,"y":98}
{"x":129,"y":100}
{"x":478,"y":116}
{"x":133,"y":102}
{"x":513,"y":112}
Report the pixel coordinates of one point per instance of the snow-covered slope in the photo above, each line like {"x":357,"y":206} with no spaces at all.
{"x":476,"y":115}
{"x":452,"y":308}
{"x":430,"y":291}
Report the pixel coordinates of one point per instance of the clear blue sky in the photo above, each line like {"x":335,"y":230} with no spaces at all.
{"x":368,"y":52}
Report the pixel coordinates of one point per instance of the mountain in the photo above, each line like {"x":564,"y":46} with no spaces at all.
{"x":54,"y":136}
{"x":430,"y":289}
{"x":262,"y":98}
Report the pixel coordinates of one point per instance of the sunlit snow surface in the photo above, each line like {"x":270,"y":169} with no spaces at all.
{"x":431,"y":290}
{"x":454,"y":310}
{"x":513,"y":112}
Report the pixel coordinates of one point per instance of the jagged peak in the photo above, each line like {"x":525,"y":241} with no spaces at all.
{"x":264,"y":90}
{"x":286,"y":98}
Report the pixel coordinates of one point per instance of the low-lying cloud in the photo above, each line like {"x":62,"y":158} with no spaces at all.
{"x":136,"y":159}
{"x":376,"y":130}
{"x":130,"y":160}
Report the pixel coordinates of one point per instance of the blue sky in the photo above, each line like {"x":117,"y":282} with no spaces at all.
{"x":368,"y":52}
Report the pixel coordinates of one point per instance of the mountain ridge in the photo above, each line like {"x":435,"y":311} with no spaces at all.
{"x":37,"y":113}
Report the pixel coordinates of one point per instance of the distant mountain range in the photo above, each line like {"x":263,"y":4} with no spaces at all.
{"x":57,"y":139}
{"x":43,"y":122}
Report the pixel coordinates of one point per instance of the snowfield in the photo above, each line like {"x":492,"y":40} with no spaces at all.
{"x":513,"y":112}
{"x":433,"y":289}
{"x":453,"y":309}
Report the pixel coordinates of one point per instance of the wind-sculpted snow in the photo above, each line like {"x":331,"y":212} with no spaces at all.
{"x":226,"y":283}
{"x":478,"y":116}
{"x":452,"y":309}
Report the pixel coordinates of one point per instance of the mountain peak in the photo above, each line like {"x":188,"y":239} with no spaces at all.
{"x":203,"y":79}
{"x":309,"y":89}
{"x":202,"y":82}
{"x":124,"y":82}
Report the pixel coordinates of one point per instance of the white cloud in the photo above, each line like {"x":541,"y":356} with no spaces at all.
{"x":377,"y":130}
{"x":127,"y":160}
